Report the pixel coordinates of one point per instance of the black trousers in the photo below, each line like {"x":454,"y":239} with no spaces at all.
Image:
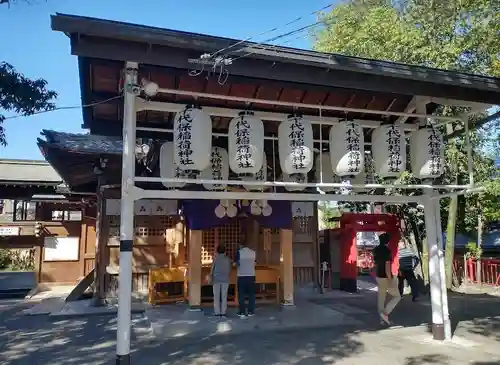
{"x":409,"y":276}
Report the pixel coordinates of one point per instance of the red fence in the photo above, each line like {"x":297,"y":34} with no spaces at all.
{"x":490,"y":270}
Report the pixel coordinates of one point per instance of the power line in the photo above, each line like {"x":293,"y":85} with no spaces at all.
{"x":67,"y":108}
{"x":265,"y":47}
{"x":270,"y":30}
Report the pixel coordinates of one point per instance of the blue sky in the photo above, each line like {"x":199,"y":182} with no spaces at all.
{"x":30,"y":45}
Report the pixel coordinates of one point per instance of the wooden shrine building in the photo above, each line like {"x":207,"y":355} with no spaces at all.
{"x":141,"y":82}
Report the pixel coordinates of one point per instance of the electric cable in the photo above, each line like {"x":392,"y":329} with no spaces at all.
{"x":269,"y":31}
{"x":66,"y":108}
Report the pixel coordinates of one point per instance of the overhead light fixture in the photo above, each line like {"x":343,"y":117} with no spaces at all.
{"x":149,"y":88}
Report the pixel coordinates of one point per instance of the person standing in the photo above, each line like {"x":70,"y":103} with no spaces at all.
{"x":385,"y":279}
{"x":245,"y":262}
{"x":408,"y":261}
{"x":221,"y":269}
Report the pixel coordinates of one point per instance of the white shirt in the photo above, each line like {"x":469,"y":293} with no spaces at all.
{"x":245,"y":259}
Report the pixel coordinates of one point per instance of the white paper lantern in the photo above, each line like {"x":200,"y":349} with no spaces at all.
{"x":246,"y":143}
{"x":168,"y":169}
{"x":267,"y":210}
{"x":295,"y":145}
{"x":367,"y":176}
{"x":259,"y":176}
{"x":217,"y":170}
{"x":427,"y":153}
{"x":347,"y":145}
{"x":193,"y":139}
{"x":297,"y":178}
{"x":231,"y":211}
{"x":389,"y":151}
{"x":255,"y":209}
{"x":220,"y":211}
{"x":328,"y":176}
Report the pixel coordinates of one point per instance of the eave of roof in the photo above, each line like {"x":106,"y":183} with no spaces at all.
{"x":28,"y":172}
{"x":78,"y":25}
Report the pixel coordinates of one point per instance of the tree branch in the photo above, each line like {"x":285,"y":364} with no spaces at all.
{"x":473,"y":125}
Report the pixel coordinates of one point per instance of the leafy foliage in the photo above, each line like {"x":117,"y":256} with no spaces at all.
{"x":17,"y":259}
{"x":328,"y":212}
{"x":455,"y":35}
{"x":22,"y":95}
{"x":473,"y":251}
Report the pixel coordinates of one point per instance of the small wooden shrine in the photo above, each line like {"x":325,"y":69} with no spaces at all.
{"x":296,"y":126}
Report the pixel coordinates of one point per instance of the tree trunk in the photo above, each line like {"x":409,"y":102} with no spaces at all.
{"x":479,"y":243}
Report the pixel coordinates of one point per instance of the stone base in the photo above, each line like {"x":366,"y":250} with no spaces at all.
{"x":438,"y":332}
{"x":195,"y":308}
{"x":99,"y":302}
{"x":122,"y":359}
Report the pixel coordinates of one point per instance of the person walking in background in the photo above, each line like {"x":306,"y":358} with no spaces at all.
{"x":408,"y":261}
{"x":221,"y":269}
{"x":245,"y":262}
{"x":385,"y":279}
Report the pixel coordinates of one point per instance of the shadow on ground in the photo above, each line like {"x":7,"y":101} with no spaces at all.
{"x":38,"y":340}
{"x":33,"y":340}
{"x":470,"y":314}
{"x":428,"y":360}
{"x":319,"y":348}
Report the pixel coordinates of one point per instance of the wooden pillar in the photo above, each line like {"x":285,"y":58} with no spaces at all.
{"x":174,"y":240}
{"x":101,"y":246}
{"x":286,"y":242}
{"x":194,"y":270}
{"x":39,"y":258}
{"x":267,"y":241}
{"x":314,"y":228}
{"x":253,"y":233}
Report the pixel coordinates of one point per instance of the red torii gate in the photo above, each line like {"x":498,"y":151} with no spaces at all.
{"x":352,"y":223}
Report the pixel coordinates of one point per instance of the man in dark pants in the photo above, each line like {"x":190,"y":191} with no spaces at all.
{"x":245,"y":262}
{"x":407,"y":263}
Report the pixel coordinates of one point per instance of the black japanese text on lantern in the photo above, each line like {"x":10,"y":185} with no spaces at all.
{"x":216,"y":160}
{"x":184,"y":138}
{"x":353,"y":147}
{"x":394,"y":147}
{"x":434,"y":149}
{"x":296,"y":140}
{"x":243,"y":148}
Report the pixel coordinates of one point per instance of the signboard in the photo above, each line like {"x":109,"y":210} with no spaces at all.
{"x":61,"y":248}
{"x":10,"y":231}
{"x":302,"y":209}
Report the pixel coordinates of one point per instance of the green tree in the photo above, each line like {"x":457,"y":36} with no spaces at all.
{"x":455,"y":35}
{"x":328,"y":211}
{"x":22,"y":95}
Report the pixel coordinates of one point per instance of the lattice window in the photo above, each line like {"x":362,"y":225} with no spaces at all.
{"x":145,"y":226}
{"x":302,"y":225}
{"x":209,"y":244}
{"x":229,"y":235}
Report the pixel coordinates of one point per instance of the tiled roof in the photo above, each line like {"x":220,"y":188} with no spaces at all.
{"x":27,"y":171}
{"x":83,"y":143}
